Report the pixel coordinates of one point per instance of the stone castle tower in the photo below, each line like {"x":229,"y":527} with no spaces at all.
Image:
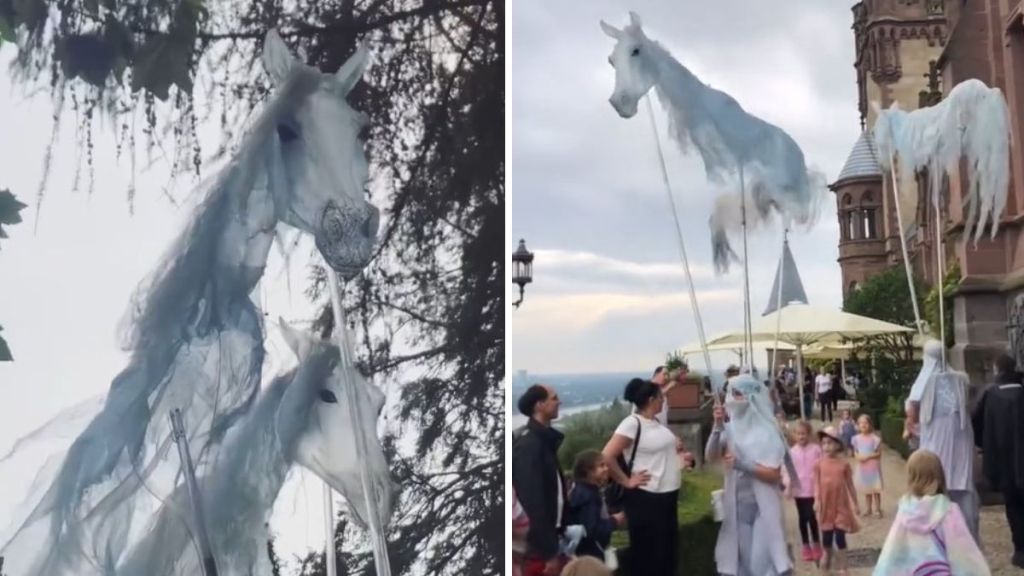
{"x":898,"y":43}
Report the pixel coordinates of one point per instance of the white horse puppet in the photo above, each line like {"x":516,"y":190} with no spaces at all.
{"x":971,"y":122}
{"x":768,"y":161}
{"x":195,"y":335}
{"x":303,"y":418}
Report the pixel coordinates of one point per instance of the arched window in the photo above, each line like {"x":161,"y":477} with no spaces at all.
{"x":854,"y":286}
{"x":868,"y":210}
{"x":848,"y":221}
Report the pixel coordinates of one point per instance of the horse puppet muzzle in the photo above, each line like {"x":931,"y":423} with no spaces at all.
{"x":346,"y":235}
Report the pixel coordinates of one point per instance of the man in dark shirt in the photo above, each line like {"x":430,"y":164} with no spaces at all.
{"x":999,"y":432}
{"x":538,"y":481}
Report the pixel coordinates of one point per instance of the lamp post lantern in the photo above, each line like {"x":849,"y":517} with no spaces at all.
{"x":522,"y":270}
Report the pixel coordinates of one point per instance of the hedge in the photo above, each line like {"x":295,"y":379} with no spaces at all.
{"x":698,"y":532}
{"x":891,"y":429}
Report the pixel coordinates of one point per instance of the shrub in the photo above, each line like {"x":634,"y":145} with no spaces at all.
{"x":589,"y":430}
{"x":891,"y":430}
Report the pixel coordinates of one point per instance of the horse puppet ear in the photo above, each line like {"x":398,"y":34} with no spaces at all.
{"x":634,"y":20}
{"x":300,"y":342}
{"x":352,"y":70}
{"x":610,"y":30}
{"x":277,"y":58}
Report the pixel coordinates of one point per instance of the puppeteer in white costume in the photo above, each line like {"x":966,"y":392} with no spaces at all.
{"x":938,"y":402}
{"x":752,"y":539}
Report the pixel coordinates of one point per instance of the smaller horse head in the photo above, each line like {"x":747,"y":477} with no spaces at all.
{"x":318,"y":167}
{"x":315,"y":426}
{"x":635,"y":71}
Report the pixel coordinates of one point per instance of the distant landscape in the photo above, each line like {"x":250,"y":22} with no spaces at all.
{"x":578,"y":389}
{"x":578,"y":392}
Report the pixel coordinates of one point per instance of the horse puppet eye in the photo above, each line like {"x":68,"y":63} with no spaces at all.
{"x":328,"y":396}
{"x":636,"y":52}
{"x":286,"y":133}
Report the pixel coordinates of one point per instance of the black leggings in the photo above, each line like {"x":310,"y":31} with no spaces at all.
{"x":808,"y":521}
{"x":825,"y":399}
{"x":826,"y":539}
{"x":653,"y":525}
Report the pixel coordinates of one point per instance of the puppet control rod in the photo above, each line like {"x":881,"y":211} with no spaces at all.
{"x":377,"y":537}
{"x":682,"y":244}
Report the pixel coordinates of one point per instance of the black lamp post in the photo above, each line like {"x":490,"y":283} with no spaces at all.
{"x":522,"y":269}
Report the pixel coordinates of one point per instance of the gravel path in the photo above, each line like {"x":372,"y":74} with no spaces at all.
{"x":866,"y":544}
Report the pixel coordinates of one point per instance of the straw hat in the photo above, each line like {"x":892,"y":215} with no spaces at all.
{"x":829,"y":432}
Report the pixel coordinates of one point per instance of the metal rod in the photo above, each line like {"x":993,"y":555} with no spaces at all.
{"x":377,"y":537}
{"x":778,"y":304}
{"x":178,"y":431}
{"x":330,"y":558}
{"x":800,"y":380}
{"x":903,"y":245}
{"x":940,"y":270}
{"x":682,"y":245}
{"x":748,"y":336}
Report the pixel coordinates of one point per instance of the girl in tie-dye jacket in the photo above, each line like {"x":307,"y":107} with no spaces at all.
{"x":929,"y":534}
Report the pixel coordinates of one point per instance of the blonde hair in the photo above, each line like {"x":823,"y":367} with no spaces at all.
{"x":871,"y":423}
{"x":925,"y":476}
{"x":586,"y":566}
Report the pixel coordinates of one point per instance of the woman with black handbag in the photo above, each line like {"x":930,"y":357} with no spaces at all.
{"x":650,"y":479}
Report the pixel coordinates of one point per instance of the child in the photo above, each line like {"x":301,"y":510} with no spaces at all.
{"x":847,"y":430}
{"x":867,"y":447}
{"x":929,"y":534}
{"x":835,"y":499}
{"x":806,"y":455}
{"x":587,"y":507}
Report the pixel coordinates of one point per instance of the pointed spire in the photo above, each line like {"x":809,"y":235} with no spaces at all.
{"x":792,"y":287}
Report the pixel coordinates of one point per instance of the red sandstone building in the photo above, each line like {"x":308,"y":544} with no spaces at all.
{"x":914,"y":52}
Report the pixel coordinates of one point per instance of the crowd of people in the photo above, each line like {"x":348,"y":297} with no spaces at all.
{"x":769,"y":464}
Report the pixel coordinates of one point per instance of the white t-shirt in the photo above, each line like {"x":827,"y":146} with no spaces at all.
{"x":824,"y":383}
{"x":655,"y":454}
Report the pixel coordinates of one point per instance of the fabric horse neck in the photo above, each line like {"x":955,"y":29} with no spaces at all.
{"x":731,"y":141}
{"x":195,"y":335}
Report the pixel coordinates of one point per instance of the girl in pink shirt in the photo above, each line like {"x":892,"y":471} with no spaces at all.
{"x":806,"y":455}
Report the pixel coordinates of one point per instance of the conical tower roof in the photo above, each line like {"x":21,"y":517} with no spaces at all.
{"x":862,"y":161}
{"x":792,"y":287}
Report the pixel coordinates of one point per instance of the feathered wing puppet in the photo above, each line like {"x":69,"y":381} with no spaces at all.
{"x":734,"y":145}
{"x":972,"y":123}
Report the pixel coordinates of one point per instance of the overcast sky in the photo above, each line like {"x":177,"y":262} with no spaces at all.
{"x":65,"y":286}
{"x":586,"y":193}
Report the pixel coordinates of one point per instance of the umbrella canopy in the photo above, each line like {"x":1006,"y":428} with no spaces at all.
{"x":803,"y":324}
{"x":695,"y":348}
{"x":842,"y":351}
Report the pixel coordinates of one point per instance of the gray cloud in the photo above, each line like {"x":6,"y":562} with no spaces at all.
{"x":584,"y":181}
